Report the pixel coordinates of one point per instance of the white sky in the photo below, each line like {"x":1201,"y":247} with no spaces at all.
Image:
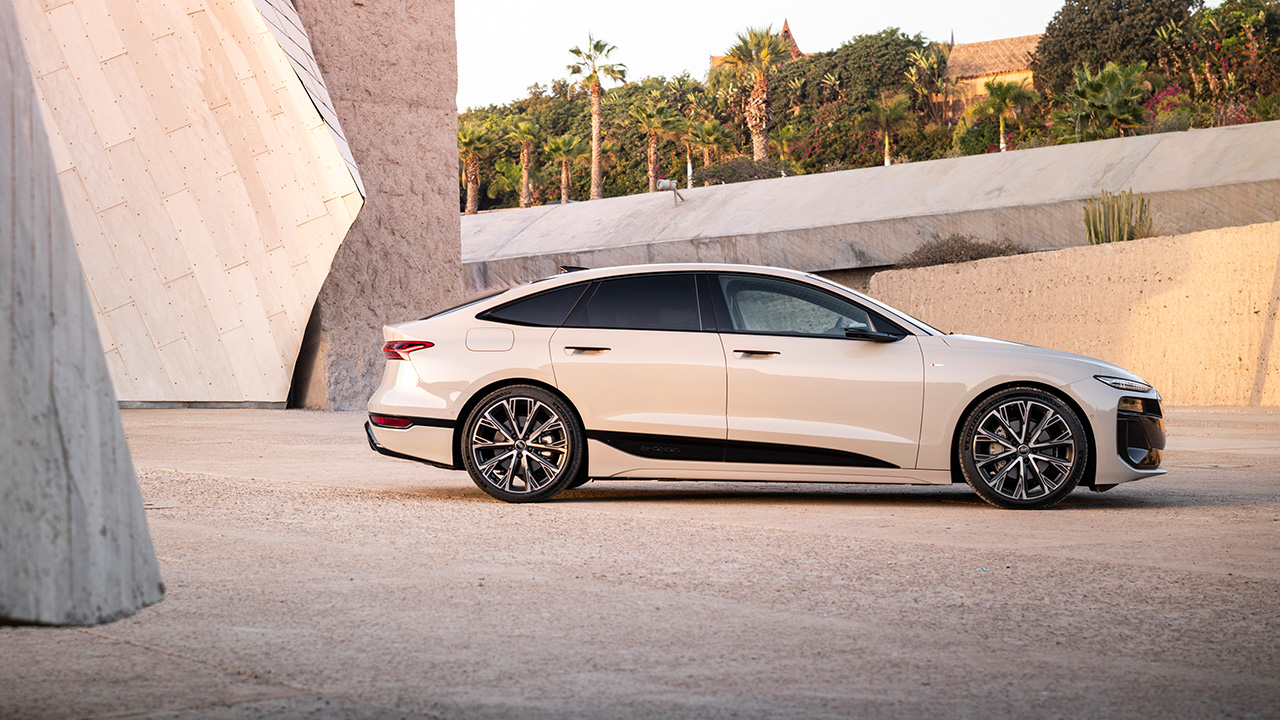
{"x":504,"y":46}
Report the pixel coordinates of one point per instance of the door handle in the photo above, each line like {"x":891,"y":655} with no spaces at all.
{"x":579,"y":350}
{"x":757,"y":353}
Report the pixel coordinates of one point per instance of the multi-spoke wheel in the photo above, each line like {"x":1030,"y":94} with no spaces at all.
{"x":1023,"y":448}
{"x":522,"y":444}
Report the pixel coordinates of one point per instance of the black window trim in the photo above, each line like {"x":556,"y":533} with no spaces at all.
{"x":575,"y":321}
{"x":724,"y":321}
{"x":488,"y":315}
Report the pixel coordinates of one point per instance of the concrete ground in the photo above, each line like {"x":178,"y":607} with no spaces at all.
{"x":309,"y":578}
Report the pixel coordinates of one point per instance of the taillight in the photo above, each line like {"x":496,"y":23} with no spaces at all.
{"x":400,"y":349}
{"x":390,"y":421}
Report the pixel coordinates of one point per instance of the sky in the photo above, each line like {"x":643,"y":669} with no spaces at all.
{"x":504,"y":46}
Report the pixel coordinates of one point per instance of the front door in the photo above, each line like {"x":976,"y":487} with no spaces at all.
{"x":802,"y":393}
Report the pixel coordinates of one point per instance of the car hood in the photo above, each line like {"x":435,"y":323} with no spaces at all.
{"x":1090,"y":365}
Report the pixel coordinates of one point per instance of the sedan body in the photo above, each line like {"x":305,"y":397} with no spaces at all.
{"x":730,"y":372}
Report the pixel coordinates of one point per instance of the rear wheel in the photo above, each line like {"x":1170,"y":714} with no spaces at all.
{"x":1023,"y":448}
{"x":522,"y":444}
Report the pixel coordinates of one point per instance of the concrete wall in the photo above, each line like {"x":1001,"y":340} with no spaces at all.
{"x":74,"y":546}
{"x":391,"y":69}
{"x":206,"y":192}
{"x":1195,"y":314}
{"x":1196,"y":180}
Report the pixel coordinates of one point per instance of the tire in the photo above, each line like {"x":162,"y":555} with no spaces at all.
{"x":523,"y":444}
{"x":1023,"y":449}
{"x":580,"y":481}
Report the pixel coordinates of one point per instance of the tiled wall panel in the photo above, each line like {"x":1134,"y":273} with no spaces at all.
{"x":204,"y":187}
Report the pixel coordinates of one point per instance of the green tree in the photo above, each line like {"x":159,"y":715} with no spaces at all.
{"x":782,"y":139}
{"x":754,"y":58}
{"x":592,"y":65}
{"x":1007,"y":101}
{"x":885,"y":117}
{"x":710,"y":136}
{"x":565,"y":150}
{"x":656,"y":121}
{"x":474,"y":143}
{"x":1095,"y":32}
{"x":1105,"y":105}
{"x":526,"y":134}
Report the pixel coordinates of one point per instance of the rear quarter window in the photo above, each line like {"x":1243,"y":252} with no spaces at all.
{"x":546,"y":309}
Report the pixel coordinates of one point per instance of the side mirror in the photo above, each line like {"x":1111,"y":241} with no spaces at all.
{"x":871,"y":335}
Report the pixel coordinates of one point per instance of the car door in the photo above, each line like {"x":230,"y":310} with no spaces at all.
{"x":637,"y":363}
{"x":800,"y":392}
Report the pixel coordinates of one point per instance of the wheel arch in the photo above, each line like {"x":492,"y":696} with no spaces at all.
{"x":465,"y":411}
{"x":1091,"y":461}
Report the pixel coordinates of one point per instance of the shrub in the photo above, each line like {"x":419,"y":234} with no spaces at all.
{"x":1117,"y":217}
{"x":958,"y":248}
{"x":742,"y":169}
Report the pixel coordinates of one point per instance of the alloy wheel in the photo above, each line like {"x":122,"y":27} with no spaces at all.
{"x":519,"y":445}
{"x":1024,"y":450}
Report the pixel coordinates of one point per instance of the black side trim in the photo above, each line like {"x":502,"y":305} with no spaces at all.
{"x":376,"y":447}
{"x":674,"y":447}
{"x":422,"y":421}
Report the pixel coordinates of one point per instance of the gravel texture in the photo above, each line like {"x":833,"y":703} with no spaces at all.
{"x":415,"y":595}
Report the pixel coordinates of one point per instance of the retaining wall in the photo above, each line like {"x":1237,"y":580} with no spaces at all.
{"x":1193,"y":314}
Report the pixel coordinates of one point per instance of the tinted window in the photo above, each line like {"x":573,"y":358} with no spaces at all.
{"x":767,"y":305}
{"x":547,"y":309}
{"x":643,"y":302}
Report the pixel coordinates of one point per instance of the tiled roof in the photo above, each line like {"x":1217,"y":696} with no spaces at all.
{"x":992,"y":57}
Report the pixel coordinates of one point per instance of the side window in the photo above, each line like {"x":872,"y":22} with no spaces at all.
{"x":548,"y":309}
{"x":768,"y":305}
{"x":642,"y":302}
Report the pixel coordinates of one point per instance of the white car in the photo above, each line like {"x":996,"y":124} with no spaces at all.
{"x":732,"y":372}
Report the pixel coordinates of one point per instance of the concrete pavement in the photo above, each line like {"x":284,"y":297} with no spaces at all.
{"x":309,"y":577}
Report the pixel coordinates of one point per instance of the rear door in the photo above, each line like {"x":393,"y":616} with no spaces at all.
{"x":802,"y":393}
{"x":637,"y":362}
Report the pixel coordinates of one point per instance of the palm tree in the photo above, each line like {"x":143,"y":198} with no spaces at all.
{"x":886,"y":116}
{"x":657,"y":121}
{"x":754,"y":57}
{"x":1008,"y":101}
{"x":782,"y":138}
{"x":565,"y":150}
{"x":591,"y":64}
{"x":506,"y":178}
{"x":526,"y":134}
{"x":1103,"y":105}
{"x":709,"y":136}
{"x":474,"y":143}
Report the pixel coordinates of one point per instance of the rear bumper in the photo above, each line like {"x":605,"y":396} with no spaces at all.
{"x":432,"y":445}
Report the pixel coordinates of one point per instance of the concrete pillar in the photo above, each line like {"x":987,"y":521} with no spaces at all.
{"x":391,"y":69}
{"x":74,"y":546}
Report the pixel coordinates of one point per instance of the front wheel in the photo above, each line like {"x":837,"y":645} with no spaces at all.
{"x":1023,"y":448}
{"x":522,"y":444}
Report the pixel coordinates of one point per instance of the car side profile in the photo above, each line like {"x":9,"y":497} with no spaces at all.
{"x":732,"y":372}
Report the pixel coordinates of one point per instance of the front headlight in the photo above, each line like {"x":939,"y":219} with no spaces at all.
{"x":1122,"y":384}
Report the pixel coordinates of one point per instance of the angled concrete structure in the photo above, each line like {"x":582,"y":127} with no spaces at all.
{"x":74,"y":546}
{"x":205,"y":180}
{"x":391,"y":69}
{"x":1196,"y":180}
